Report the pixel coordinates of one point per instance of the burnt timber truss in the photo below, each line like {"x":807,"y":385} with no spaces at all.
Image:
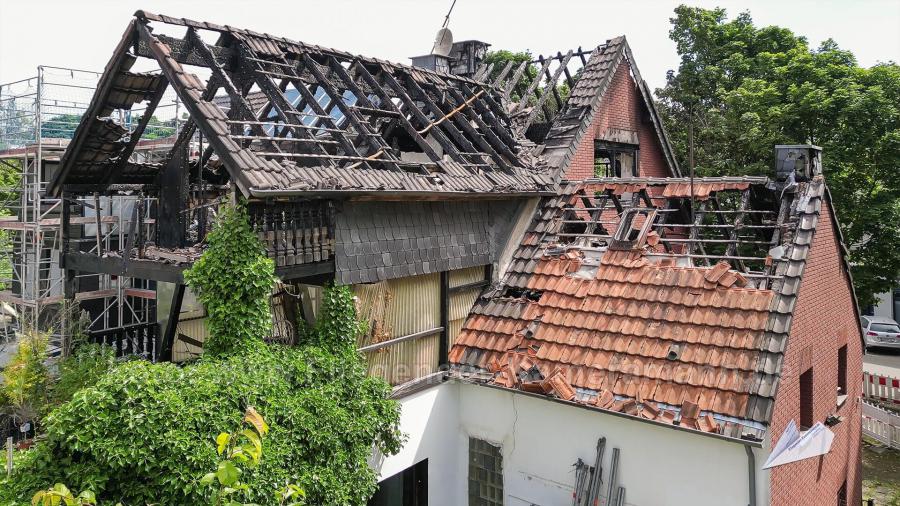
{"x":333,"y":121}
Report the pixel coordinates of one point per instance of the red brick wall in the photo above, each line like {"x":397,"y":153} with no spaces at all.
{"x":824,"y":320}
{"x":622,"y":107}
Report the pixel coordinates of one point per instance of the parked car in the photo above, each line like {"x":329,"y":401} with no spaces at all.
{"x":880,"y":332}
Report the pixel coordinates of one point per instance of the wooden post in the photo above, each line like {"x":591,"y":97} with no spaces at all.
{"x":9,"y":455}
{"x":444,"y":346}
{"x":165,"y":347}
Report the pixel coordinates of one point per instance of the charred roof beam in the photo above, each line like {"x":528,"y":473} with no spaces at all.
{"x":207,"y":116}
{"x":282,"y":106}
{"x":378,"y":144}
{"x":491,"y":112}
{"x":492,"y":138}
{"x":242,"y":107}
{"x":441,"y":118}
{"x":551,"y":83}
{"x":427,"y":125}
{"x":386,"y":101}
{"x":115,"y":169}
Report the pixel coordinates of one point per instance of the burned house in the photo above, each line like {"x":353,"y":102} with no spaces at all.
{"x":536,"y":271}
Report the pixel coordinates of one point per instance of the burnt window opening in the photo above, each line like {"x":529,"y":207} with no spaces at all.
{"x":806,"y":399}
{"x":842,"y":370}
{"x":485,"y":474}
{"x":615,"y":160}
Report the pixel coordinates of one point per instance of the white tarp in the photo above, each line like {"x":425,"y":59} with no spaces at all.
{"x":794,"y":445}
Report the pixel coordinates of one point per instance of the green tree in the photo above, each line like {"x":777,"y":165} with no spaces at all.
{"x":741,"y":89}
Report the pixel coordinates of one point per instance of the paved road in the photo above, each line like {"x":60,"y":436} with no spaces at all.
{"x":883,"y":362}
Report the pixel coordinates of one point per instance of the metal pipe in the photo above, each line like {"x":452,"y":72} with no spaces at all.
{"x":751,"y":476}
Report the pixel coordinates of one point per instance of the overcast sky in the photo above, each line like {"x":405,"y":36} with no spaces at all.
{"x":82,"y":33}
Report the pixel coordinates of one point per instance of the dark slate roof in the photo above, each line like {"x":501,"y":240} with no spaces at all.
{"x":384,"y":127}
{"x":645,"y":326}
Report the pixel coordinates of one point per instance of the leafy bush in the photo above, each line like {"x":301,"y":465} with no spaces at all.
{"x":82,"y":369}
{"x":142,"y":433}
{"x":26,"y":380}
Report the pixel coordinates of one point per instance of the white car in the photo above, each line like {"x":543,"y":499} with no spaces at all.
{"x":880,"y":332}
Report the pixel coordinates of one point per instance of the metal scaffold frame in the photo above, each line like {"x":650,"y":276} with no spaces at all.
{"x":38,"y":116}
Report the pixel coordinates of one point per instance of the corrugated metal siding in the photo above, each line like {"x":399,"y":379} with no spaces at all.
{"x":461,"y":277}
{"x":461,"y":302}
{"x":194,"y":328}
{"x":397,"y":308}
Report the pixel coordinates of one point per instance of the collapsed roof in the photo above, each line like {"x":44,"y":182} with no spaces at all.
{"x":620,"y":299}
{"x":333,"y":121}
{"x":289,"y":118}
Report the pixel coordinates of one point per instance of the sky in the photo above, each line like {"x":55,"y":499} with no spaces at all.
{"x":82,"y":34}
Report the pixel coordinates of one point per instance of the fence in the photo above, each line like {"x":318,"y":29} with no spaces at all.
{"x":881,"y":389}
{"x":881,"y":424}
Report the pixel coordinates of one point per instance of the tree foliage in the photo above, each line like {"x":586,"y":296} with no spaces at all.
{"x":745,"y":89}
{"x":142,"y":433}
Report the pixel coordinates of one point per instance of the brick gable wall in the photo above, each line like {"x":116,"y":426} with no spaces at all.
{"x":824,"y":321}
{"x":622,"y":107}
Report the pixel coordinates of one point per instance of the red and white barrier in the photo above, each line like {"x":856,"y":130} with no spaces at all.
{"x":883,"y":389}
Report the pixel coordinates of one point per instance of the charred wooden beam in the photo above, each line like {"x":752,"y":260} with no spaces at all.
{"x":398,"y":90}
{"x":503,"y":73}
{"x":523,"y":102}
{"x":511,"y":85}
{"x":240,"y":105}
{"x":441,"y":116}
{"x":375,"y":142}
{"x":492,"y":138}
{"x":551,"y":83}
{"x":387,"y":102}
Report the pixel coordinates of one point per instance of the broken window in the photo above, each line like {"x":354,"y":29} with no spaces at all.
{"x":842,"y":370}
{"x":615,"y":160}
{"x":806,"y":399}
{"x":485,"y":474}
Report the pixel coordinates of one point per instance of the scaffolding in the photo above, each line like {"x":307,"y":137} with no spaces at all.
{"x":38,"y":116}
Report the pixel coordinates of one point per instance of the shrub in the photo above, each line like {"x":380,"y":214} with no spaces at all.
{"x":141,"y":434}
{"x":87,"y":364}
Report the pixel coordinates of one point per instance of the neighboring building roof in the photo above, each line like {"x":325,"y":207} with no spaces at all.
{"x":617,"y":298}
{"x":575,"y":120}
{"x":449,"y":134}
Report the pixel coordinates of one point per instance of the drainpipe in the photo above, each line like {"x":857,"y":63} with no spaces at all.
{"x":751,"y":468}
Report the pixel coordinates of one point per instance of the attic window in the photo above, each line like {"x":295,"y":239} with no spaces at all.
{"x":613,"y":159}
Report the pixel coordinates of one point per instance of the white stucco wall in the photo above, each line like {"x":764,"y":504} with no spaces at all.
{"x":430,"y":421}
{"x":541,"y":440}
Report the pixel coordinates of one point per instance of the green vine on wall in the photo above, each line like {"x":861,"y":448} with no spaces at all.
{"x":233,"y":279}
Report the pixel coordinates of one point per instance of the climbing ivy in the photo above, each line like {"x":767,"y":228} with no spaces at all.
{"x":233,"y":279}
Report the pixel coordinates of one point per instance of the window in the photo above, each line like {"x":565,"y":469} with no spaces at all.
{"x":842,"y":495}
{"x":615,"y":160}
{"x":806,"y":399}
{"x":406,"y":488}
{"x":842,"y":370}
{"x":886,"y":328}
{"x":485,"y":474}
